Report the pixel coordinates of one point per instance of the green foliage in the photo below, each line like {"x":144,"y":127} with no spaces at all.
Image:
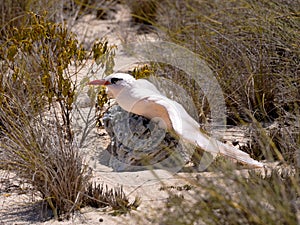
{"x":104,"y":55}
{"x":143,"y":71}
{"x":101,"y":100}
{"x":38,"y":56}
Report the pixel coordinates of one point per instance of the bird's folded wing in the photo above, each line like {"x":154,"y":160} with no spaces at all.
{"x":189,"y":129}
{"x":184,"y":125}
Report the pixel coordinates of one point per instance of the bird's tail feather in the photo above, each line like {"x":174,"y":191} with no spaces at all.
{"x":193,"y":135}
{"x":216,"y":147}
{"x":237,"y":154}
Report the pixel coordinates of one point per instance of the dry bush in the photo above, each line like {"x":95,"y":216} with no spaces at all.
{"x":143,"y":11}
{"x":232,"y":199}
{"x":102,"y":9}
{"x":98,"y":195}
{"x":251,"y":45}
{"x":278,"y":141}
{"x":36,"y":60}
{"x":38,"y":91}
{"x":38,"y":152}
{"x":12,"y":11}
{"x":253,"y":49}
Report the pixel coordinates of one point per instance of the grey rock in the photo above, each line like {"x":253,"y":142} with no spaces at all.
{"x":138,"y":143}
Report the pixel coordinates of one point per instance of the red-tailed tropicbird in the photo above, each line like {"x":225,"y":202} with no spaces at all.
{"x":141,"y":97}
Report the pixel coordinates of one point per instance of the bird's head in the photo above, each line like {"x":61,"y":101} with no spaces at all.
{"x":115,"y":82}
{"x":116,"y":79}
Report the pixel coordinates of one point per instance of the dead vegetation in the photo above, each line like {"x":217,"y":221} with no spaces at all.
{"x":38,"y":92}
{"x":253,"y":49}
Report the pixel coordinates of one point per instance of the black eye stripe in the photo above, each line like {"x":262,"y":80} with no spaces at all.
{"x":115,"y":80}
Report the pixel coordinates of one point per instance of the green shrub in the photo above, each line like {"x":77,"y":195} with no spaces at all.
{"x":37,"y":57}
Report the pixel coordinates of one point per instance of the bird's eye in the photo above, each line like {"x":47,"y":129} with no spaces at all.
{"x":115,"y":80}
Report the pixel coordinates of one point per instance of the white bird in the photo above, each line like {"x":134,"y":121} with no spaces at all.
{"x":141,"y":97}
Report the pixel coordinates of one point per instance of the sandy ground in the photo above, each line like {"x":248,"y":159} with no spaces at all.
{"x":18,"y":207}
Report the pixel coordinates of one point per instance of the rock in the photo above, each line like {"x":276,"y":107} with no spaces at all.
{"x":138,"y":143}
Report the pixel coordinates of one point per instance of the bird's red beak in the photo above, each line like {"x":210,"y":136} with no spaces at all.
{"x":99,"y":82}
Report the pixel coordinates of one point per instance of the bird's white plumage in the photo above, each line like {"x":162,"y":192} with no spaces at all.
{"x":143,"y":98}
